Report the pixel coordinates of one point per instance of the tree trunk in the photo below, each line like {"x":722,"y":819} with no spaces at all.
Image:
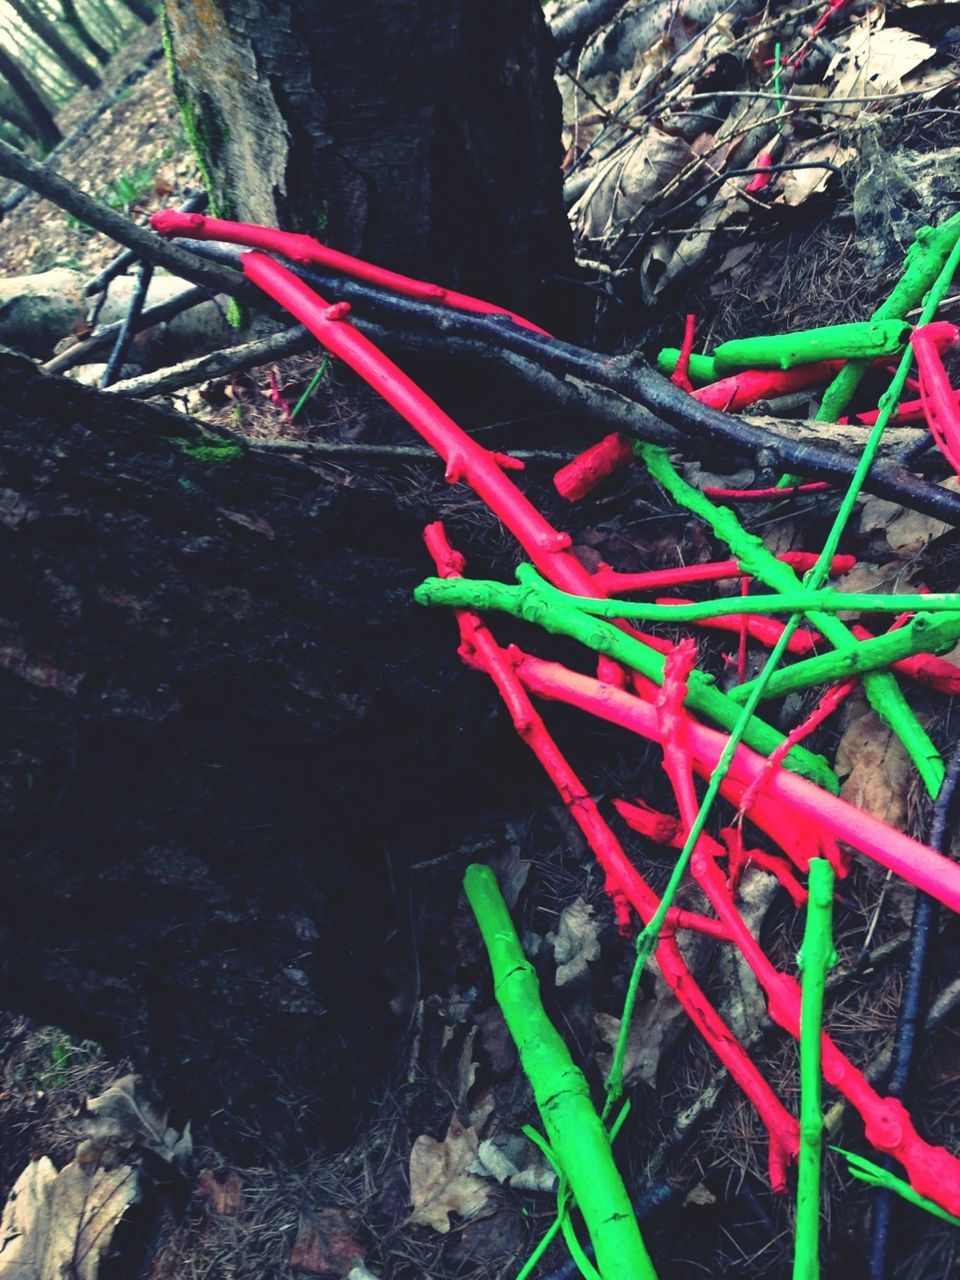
{"x":145,"y":10}
{"x":230,"y":731}
{"x":106,"y":23}
{"x":34,"y":109}
{"x":82,"y":32}
{"x":47,"y":32}
{"x":423,"y":135}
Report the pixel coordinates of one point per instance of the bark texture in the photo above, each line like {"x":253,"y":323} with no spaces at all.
{"x":423,"y":135}
{"x":226,"y":732}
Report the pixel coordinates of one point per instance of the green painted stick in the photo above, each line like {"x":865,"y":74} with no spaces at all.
{"x":926,"y":259}
{"x":881,"y":688}
{"x":816,"y":957}
{"x":702,"y":368}
{"x":559,"y":618}
{"x":927,"y":633}
{"x":826,"y":600}
{"x":876,"y":1176}
{"x":574,"y":1130}
{"x":862,"y":340}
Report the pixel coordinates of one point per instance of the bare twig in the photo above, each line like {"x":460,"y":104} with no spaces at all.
{"x":194,"y":203}
{"x":246,"y":355}
{"x":128,"y":325}
{"x":54,"y":187}
{"x":382,"y":452}
{"x":82,"y":351}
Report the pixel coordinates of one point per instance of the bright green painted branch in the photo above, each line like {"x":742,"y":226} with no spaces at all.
{"x":575,"y":1132}
{"x":800,"y":600}
{"x":926,"y":259}
{"x":816,"y":957}
{"x":927,"y":633}
{"x":865,"y":339}
{"x":558,"y":618}
{"x":876,"y":1176}
{"x":702,"y":369}
{"x":881,"y":688}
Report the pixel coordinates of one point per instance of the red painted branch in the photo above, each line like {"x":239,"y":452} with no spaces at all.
{"x":306,"y":250}
{"x":583,"y":473}
{"x":916,"y":863}
{"x":479,"y":646}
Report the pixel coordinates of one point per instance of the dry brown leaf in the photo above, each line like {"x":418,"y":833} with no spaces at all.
{"x":627,"y":181}
{"x":743,"y":1005}
{"x":798,"y":185}
{"x":876,"y":769}
{"x":439,"y":1181}
{"x":575,"y":942}
{"x":906,"y":532}
{"x":514,"y":1160}
{"x":61,"y":1224}
{"x":876,"y":59}
{"x":655,"y":1026}
{"x":226,"y":1198}
{"x":122,"y":1116}
{"x":325,"y":1244}
{"x":699,"y":1195}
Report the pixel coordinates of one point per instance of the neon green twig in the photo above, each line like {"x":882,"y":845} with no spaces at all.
{"x":558,"y":618}
{"x":881,"y":688}
{"x":816,"y":957}
{"x":876,"y":1176}
{"x":563,"y":1191}
{"x":800,"y":600}
{"x":574,"y":1131}
{"x":925,"y":261}
{"x":702,"y":368}
{"x":866,"y":339}
{"x":927,"y":633}
{"x":312,"y":386}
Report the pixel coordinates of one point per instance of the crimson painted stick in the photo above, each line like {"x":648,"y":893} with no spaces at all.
{"x":915,"y":862}
{"x":933,"y":1171}
{"x":610,"y":582}
{"x":746,"y":388}
{"x":623,"y":880}
{"x":583,"y":473}
{"x":306,"y":250}
{"x":681,"y":374}
{"x":924,"y":668}
{"x":938,"y":396}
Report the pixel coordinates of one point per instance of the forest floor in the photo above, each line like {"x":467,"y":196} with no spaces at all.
{"x":438,"y":1180}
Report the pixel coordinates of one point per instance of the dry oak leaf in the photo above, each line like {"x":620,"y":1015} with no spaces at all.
{"x":325,"y":1244}
{"x":575,"y":942}
{"x":62,"y":1224}
{"x":439,"y":1180}
{"x":123,"y":1116}
{"x":655,"y":1026}
{"x":877,"y":768}
{"x":226,"y":1198}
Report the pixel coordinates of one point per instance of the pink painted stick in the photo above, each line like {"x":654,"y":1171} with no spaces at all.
{"x":305,"y":249}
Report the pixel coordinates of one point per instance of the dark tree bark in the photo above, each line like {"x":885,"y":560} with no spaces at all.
{"x":423,"y":135}
{"x":227,"y":732}
{"x":79,"y":28}
{"x":35,"y":115}
{"x":48,"y":33}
